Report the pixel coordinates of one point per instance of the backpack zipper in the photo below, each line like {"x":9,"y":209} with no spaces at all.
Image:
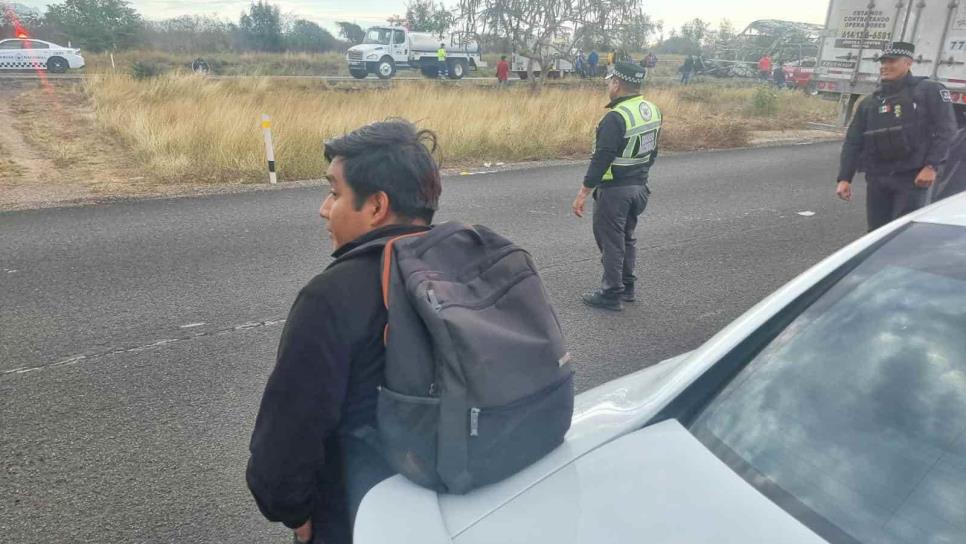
{"x":474,"y":422}
{"x":433,"y":300}
{"x":489,"y":300}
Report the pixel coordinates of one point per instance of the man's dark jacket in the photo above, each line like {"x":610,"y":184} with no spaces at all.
{"x":330,"y":363}
{"x":937,"y":126}
{"x":609,"y":145}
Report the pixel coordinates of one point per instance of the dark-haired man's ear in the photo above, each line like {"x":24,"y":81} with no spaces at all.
{"x":381,"y":213}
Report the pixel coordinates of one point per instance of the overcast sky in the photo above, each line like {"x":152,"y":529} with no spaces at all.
{"x":369,"y":12}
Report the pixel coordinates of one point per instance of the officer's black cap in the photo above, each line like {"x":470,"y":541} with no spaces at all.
{"x":899,"y":49}
{"x":628,"y":73}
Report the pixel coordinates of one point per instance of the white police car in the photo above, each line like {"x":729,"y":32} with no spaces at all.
{"x":30,"y":54}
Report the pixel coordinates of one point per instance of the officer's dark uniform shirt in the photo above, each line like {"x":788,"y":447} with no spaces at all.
{"x":610,"y":143}
{"x":930,"y":143}
{"x":330,"y":363}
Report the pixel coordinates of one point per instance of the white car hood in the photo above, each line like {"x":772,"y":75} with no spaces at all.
{"x":602,"y":477}
{"x":658,"y":484}
{"x":600,"y":415}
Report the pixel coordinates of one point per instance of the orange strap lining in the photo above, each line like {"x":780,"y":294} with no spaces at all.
{"x":386,"y":272}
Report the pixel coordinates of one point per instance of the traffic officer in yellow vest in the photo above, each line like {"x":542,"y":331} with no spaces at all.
{"x":441,"y":58}
{"x":624,"y":151}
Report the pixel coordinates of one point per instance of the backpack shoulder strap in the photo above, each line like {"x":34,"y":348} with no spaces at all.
{"x":389,"y":244}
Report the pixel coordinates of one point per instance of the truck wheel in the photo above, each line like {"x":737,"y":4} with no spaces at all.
{"x":457,"y":69}
{"x":386,"y":68}
{"x":359,"y":74}
{"x":811,"y":89}
{"x":57,"y":65}
{"x":522,"y":75}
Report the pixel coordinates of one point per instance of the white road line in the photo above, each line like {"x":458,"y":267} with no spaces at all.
{"x":146,"y":347}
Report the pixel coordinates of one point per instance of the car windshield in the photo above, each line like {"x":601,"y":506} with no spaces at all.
{"x":378,"y":36}
{"x":851,"y":419}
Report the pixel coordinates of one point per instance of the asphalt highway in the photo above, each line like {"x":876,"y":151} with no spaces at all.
{"x":135,"y":338}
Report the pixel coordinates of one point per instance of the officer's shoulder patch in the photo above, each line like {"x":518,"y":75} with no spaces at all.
{"x":944,"y":94}
{"x":646,"y":112}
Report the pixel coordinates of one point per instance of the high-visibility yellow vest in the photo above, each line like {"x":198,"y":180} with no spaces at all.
{"x":642,"y":122}
{"x":441,"y":54}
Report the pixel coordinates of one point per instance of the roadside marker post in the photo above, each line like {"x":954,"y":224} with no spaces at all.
{"x":269,"y":148}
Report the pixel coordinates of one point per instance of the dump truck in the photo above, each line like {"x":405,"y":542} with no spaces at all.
{"x":857,"y":32}
{"x":385,"y":50}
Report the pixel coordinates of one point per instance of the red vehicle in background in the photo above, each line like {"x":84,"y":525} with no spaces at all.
{"x":800,"y":74}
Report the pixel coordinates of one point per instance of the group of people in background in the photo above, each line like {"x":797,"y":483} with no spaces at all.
{"x":769,"y":69}
{"x":595,"y":65}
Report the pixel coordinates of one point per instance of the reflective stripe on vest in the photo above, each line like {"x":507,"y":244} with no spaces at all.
{"x":642,"y":122}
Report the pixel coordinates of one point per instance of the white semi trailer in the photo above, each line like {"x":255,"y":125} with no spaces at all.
{"x":559,"y":66}
{"x":857,"y":31}
{"x":388,"y":49}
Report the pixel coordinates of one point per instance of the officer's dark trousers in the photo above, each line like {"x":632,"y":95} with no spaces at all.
{"x":891,"y":196}
{"x":616,"y":210}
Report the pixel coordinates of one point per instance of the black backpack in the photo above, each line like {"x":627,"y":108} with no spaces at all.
{"x":478,"y":384}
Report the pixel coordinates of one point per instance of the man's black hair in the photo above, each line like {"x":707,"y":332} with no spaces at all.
{"x":393,"y":157}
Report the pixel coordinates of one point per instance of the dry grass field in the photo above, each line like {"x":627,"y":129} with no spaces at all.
{"x":186,"y":129}
{"x":229,"y":64}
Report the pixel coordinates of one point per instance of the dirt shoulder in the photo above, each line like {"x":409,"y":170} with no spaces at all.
{"x":53,"y":152}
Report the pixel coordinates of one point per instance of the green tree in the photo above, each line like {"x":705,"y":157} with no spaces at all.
{"x":428,"y":16}
{"x":308,"y":36}
{"x":351,"y":32}
{"x":696,"y":31}
{"x":96,"y":25}
{"x":726,"y":31}
{"x":189,"y":33}
{"x":261,"y":27}
{"x":16,"y":21}
{"x":633,"y":34}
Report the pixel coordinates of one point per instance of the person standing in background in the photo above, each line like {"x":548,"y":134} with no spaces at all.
{"x":779,"y":76}
{"x":441,"y":59}
{"x":502,"y":72}
{"x":764,"y":67}
{"x":687,"y":69}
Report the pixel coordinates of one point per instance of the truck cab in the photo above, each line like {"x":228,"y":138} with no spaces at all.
{"x":382,"y":50}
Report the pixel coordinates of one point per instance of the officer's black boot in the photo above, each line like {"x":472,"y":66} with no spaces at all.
{"x":598,"y":299}
{"x":628,"y":294}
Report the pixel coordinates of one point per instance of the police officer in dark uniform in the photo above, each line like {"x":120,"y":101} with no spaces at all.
{"x":624,"y":151}
{"x":899,"y":136}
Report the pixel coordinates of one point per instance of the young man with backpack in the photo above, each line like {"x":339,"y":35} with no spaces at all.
{"x":307,"y":468}
{"x":431,"y":352}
